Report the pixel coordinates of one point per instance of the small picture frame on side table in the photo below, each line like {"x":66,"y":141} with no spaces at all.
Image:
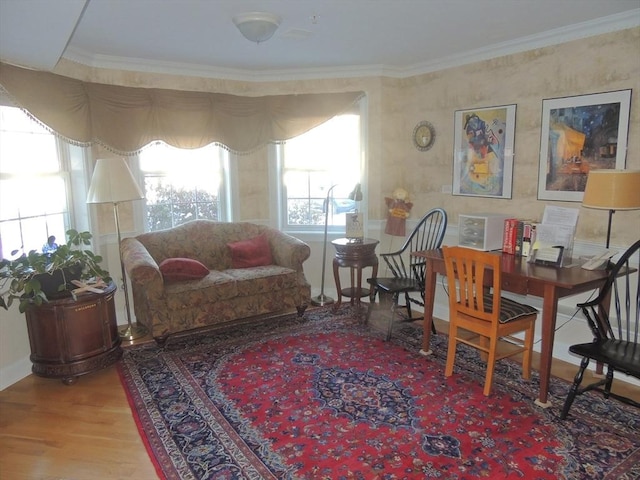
{"x":355,"y":229}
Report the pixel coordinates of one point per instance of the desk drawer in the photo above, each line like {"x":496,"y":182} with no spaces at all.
{"x":515,"y":285}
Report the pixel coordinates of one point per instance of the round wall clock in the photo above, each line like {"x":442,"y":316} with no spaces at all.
{"x":424,"y":135}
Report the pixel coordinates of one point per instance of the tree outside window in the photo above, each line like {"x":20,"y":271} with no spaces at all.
{"x":182,"y":185}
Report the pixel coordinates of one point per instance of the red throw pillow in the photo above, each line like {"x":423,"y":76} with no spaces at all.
{"x":178,"y":269}
{"x":250,"y":253}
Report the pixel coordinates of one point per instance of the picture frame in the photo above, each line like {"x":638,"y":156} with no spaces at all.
{"x":580,"y":133}
{"x":548,"y":256}
{"x":354,"y":226}
{"x":483,"y":151}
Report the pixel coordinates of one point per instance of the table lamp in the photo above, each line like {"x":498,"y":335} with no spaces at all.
{"x":612,"y":190}
{"x":113,"y":182}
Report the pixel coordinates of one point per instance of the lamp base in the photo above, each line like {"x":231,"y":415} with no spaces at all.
{"x":322,"y":300}
{"x":132,"y":331}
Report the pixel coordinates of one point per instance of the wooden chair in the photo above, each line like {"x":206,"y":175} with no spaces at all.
{"x":616,"y":337}
{"x":477,"y":307}
{"x":408,"y":271}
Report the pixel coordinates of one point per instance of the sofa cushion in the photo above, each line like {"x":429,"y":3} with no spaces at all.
{"x":264,"y":279}
{"x":215,"y":287}
{"x":223,"y":286}
{"x":254,"y":252}
{"x":180,"y":269}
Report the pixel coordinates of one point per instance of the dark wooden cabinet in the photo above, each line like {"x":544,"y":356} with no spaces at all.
{"x":70,"y":337}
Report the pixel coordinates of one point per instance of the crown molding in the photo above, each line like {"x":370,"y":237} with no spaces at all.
{"x":552,"y":37}
{"x":557,"y":36}
{"x":207,"y":71}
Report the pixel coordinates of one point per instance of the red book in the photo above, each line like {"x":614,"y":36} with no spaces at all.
{"x":509,"y":236}
{"x":519,"y":237}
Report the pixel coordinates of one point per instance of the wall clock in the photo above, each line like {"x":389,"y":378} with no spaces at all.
{"x":424,"y":135}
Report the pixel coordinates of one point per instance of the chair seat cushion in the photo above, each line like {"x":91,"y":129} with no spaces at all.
{"x":623,"y":356}
{"x":509,"y":309}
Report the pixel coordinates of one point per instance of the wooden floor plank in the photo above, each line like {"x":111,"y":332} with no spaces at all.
{"x":84,"y":431}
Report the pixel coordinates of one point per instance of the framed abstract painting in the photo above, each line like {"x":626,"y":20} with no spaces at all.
{"x":483,"y":151}
{"x":581,"y":133}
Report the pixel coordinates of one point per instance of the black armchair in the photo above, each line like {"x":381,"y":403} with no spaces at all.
{"x":616,"y":335}
{"x":408,"y":271}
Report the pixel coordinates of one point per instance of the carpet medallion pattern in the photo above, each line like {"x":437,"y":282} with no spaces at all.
{"x":324,"y":397}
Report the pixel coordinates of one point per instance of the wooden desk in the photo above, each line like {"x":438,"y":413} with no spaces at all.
{"x":518,"y":276}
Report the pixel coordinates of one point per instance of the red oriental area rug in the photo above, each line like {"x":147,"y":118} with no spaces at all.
{"x":325,"y":397}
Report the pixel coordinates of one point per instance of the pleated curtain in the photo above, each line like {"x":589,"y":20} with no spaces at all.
{"x":125,"y":119}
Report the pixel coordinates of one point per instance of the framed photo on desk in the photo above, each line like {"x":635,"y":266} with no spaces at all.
{"x":548,"y":256}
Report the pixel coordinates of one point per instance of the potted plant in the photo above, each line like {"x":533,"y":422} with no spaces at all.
{"x":35,"y":276}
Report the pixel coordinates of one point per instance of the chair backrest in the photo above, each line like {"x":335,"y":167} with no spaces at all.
{"x":620,"y":296}
{"x":469,"y":273}
{"x":427,"y":235}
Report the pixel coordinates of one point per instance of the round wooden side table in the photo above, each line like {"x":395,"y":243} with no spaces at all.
{"x":355,"y":254}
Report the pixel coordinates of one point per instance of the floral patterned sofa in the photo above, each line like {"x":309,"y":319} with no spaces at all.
{"x":204,"y":273}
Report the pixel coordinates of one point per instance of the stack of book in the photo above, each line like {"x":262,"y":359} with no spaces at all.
{"x":518,"y":236}
{"x":557,"y":230}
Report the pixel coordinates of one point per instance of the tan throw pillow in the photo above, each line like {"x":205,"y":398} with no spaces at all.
{"x":254,"y":252}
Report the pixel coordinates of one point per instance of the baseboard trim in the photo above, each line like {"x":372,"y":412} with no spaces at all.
{"x":15,"y":372}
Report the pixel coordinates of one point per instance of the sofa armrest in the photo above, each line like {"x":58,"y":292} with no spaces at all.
{"x":141,"y":267}
{"x":288,"y":251}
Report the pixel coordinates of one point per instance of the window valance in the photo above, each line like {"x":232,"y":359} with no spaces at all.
{"x":125,"y":119}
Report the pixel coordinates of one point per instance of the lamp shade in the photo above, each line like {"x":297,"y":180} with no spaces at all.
{"x":257,"y":26}
{"x":113,"y":182}
{"x":612,"y":190}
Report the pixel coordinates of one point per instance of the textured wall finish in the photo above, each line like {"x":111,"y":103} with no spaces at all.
{"x":592,"y":65}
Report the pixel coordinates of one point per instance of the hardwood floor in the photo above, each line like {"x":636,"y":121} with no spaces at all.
{"x":86,"y":431}
{"x":49,"y":431}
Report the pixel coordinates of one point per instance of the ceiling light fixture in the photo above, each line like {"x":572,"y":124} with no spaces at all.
{"x":257,"y":26}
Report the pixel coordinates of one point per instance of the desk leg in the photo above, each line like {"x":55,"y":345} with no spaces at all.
{"x":549,"y":311}
{"x":336,"y":277}
{"x":429,"y":300}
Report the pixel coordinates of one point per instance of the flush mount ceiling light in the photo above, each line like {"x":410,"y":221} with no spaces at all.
{"x":257,"y":26}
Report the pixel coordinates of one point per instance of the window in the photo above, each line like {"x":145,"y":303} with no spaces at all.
{"x":182,"y":185}
{"x":312,"y":163}
{"x":34,"y":184}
